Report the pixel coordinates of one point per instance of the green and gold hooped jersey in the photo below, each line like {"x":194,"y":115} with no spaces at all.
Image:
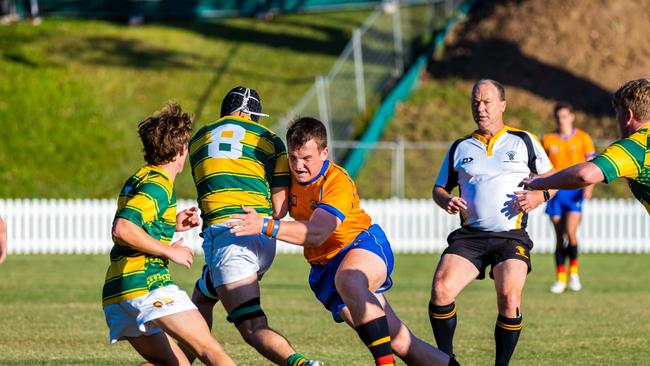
{"x":235,"y":162}
{"x":149,"y":201}
{"x":629,"y":158}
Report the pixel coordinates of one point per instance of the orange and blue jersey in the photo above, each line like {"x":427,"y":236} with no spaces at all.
{"x":567,"y":151}
{"x":335,"y":192}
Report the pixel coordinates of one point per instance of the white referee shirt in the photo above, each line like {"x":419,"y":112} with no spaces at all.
{"x":488,"y":174}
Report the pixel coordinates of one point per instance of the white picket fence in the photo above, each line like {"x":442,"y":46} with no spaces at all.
{"x":413,"y":226}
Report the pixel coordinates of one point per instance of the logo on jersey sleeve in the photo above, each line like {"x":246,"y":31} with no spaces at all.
{"x":466,"y":160}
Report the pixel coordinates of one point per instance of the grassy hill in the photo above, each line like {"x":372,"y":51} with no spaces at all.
{"x":73,"y":91}
{"x":543,"y":51}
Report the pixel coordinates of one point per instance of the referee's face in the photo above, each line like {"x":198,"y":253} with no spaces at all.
{"x":306,"y":161}
{"x":487,"y":108}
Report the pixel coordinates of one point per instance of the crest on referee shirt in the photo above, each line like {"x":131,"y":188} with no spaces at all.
{"x":293,"y":200}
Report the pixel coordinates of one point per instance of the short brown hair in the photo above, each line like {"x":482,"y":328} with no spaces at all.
{"x":165,"y":133}
{"x":562,"y":105}
{"x":303,"y":129}
{"x":635,"y":95}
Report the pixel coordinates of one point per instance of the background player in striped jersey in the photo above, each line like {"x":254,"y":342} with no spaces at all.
{"x":628,"y":158}
{"x":487,"y":166}
{"x":236,"y":161}
{"x":139,"y":297}
{"x":351,"y":259}
{"x":567,"y":146}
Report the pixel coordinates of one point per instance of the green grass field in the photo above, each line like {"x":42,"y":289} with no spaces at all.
{"x":50,"y":313}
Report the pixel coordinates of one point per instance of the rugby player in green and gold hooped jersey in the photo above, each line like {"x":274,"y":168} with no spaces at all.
{"x":141,"y":302}
{"x":236,"y":161}
{"x":628,"y":158}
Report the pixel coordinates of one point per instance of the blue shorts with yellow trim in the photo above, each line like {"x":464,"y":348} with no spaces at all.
{"x":321,"y":277}
{"x":566,"y":200}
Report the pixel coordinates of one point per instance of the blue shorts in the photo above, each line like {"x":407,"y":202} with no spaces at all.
{"x":321,"y":277}
{"x":569,"y":200}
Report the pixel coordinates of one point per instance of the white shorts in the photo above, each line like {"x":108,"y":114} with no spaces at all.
{"x":132,"y":318}
{"x":230,"y":258}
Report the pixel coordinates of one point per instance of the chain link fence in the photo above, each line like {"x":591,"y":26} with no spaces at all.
{"x":374,"y":59}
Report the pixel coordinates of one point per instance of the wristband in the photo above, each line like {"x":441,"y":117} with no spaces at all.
{"x":269,"y":227}
{"x":265,"y":225}
{"x":276,"y":229}
{"x":547,"y":195}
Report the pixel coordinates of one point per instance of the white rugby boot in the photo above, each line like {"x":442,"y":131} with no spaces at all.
{"x":314,"y":363}
{"x":574,"y":282}
{"x":558,"y":287}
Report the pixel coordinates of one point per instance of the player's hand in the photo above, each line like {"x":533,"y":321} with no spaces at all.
{"x":530,"y":184}
{"x":526,"y":201}
{"x":187,"y":219}
{"x":249,"y":223}
{"x":455,"y":205}
{"x":180,"y":254}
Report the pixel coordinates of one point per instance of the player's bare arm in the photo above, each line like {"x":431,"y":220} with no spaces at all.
{"x":134,"y":236}
{"x":574,"y":177}
{"x":280,"y":201}
{"x":308,"y":233}
{"x":452,"y":204}
{"x":528,"y":200}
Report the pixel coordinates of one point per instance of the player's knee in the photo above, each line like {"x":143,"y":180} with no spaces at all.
{"x":202,"y":347}
{"x":401,"y":343}
{"x":509,"y":301}
{"x":251,"y":329}
{"x":442,"y":293}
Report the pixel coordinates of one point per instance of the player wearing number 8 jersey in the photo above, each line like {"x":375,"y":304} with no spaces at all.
{"x":237,"y":161}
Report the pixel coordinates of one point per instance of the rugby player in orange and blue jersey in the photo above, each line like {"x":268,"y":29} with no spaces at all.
{"x":566,"y":146}
{"x":351,"y":259}
{"x":627,"y":158}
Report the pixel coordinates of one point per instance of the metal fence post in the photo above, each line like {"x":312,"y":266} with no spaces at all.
{"x":400,"y":166}
{"x":358,"y":71}
{"x":397,"y":35}
{"x":323,"y":108}
{"x":397,"y":184}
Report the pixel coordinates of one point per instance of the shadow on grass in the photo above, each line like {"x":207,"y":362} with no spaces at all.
{"x":117,"y":51}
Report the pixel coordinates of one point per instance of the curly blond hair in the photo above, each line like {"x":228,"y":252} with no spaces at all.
{"x":635,"y":95}
{"x":165,"y":133}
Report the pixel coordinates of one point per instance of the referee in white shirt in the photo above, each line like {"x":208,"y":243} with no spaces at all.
{"x":487,"y":166}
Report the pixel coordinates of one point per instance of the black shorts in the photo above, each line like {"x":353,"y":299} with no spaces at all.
{"x":484,"y":248}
